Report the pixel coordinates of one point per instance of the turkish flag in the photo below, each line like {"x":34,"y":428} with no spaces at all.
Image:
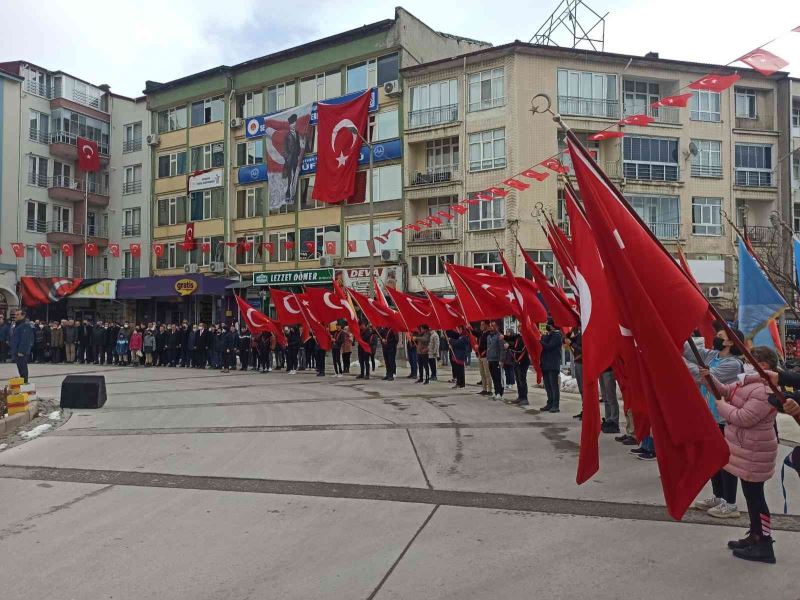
{"x":371,"y":246}
{"x":88,"y":155}
{"x":414,"y":310}
{"x":351,"y":245}
{"x":350,"y":317}
{"x":330,"y":248}
{"x":231,"y":244}
{"x":314,"y":323}
{"x":448,"y":314}
{"x":258,"y":322}
{"x":92,"y":249}
{"x":446,"y":214}
{"x":136,"y":250}
{"x":660,"y":307}
{"x":188,"y":236}
{"x":680,"y":101}
{"x":379,"y":295}
{"x":379,"y":316}
{"x":554,"y":165}
{"x":19,"y":249}
{"x":562,"y":250}
{"x":269,"y":247}
{"x":66,"y":249}
{"x":763,"y":61}
{"x":44,"y":250}
{"x":288,"y":245}
{"x":482,"y":294}
{"x":311,"y":247}
{"x":113,"y":248}
{"x":435,"y":219}
{"x":555,"y":301}
{"x":638,"y":120}
{"x":533,"y":174}
{"x":327,"y":305}
{"x":205,"y":247}
{"x":706,"y":325}
{"x":246,"y":246}
{"x":339,"y":147}
{"x":287,"y":307}
{"x":158,"y":250}
{"x":516,"y":184}
{"x":460,"y":209}
{"x":714,"y":83}
{"x":605,"y":135}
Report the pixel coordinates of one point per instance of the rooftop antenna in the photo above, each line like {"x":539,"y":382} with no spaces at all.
{"x":573,"y":24}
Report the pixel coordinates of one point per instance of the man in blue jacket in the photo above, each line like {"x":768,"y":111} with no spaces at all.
{"x":550,"y":363}
{"x":22,"y":343}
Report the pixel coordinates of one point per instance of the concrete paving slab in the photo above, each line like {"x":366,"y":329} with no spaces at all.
{"x":23,"y":500}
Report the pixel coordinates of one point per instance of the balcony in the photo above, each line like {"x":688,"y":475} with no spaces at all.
{"x":38,"y":135}
{"x":51,"y":271}
{"x":38,"y":88}
{"x":670,"y":116}
{"x":706,"y":170}
{"x":37,"y":179}
{"x":94,"y":101}
{"x":132,"y":145}
{"x":665,"y":231}
{"x":447,"y":232}
{"x":429,"y":117}
{"x":762,"y":235}
{"x":588,"y":107}
{"x":758,"y":123}
{"x":753,"y":178}
{"x":132,"y":187}
{"x":96,"y":273}
{"x":435,"y":175}
{"x":64,"y":144}
{"x":650,"y":171}
{"x":130,"y":273}
{"x":68,"y":232}
{"x":36,"y":226}
{"x":132,"y":230}
{"x":61,"y":187}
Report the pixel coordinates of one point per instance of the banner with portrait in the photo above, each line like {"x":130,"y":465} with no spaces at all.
{"x":287,"y":136}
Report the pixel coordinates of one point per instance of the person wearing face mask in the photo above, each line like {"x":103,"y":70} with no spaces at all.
{"x":726,"y":366}
{"x":191,"y":342}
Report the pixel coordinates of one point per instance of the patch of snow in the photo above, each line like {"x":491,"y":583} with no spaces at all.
{"x":55,"y":415}
{"x":35,"y":432}
{"x":569,"y":384}
{"x":3,"y":447}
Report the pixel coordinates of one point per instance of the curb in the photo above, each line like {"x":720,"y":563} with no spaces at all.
{"x":12,"y":422}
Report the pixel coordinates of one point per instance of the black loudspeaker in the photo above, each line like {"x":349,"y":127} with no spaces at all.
{"x":83,"y":391}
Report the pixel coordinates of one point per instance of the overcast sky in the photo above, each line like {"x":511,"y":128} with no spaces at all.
{"x":123,"y":43}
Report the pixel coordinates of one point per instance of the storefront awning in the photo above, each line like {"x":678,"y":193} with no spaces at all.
{"x":171,"y":286}
{"x":239,"y":285}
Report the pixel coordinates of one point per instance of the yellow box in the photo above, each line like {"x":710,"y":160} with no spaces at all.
{"x":13,"y":410}
{"x":17,"y":400}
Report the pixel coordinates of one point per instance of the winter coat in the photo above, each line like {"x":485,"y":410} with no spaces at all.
{"x":551,"y":351}
{"x":57,"y":338}
{"x":149,"y":342}
{"x":38,"y":336}
{"x":161,"y":340}
{"x":127,"y":332}
{"x":494,"y":346}
{"x":459,"y":348}
{"x":112,"y":333}
{"x":433,"y":346}
{"x":5,"y":332}
{"x":136,"y":341}
{"x":22,"y":338}
{"x":423,"y":341}
{"x":98,"y":336}
{"x":750,"y":429}
{"x":70,"y":334}
{"x":245,"y":341}
{"x":227,"y":341}
{"x":173,"y":339}
{"x":191,"y":340}
{"x":724,"y":368}
{"x":84,"y":334}
{"x":347,"y":343}
{"x":122,"y":346}
{"x":293,"y":338}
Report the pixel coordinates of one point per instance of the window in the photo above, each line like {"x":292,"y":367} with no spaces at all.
{"x":707,"y":162}
{"x":486,"y":89}
{"x":384,"y":126}
{"x":388,"y":68}
{"x":543,"y":260}
{"x":746,"y":103}
{"x":637,"y":97}
{"x":36,"y":82}
{"x":650,"y":159}
{"x":172,"y":119}
{"x":37,"y":171}
{"x":132,"y":180}
{"x":37,"y":217}
{"x":132,"y":222}
{"x":388,"y":183}
{"x":432,"y":264}
{"x":280,"y":252}
{"x":487,"y":150}
{"x":707,"y":216}
{"x":34,"y":262}
{"x":171,"y":211}
{"x":172,"y":164}
{"x":39,"y":127}
{"x":434,"y":205}
{"x":487,"y":214}
{"x":174,"y":256}
{"x":61,"y":219}
{"x":281,"y":96}
{"x":252,"y":256}
{"x":320,"y":87}
{"x":359,"y":233}
{"x":250,"y":152}
{"x":796,"y":217}
{"x":207,"y":156}
{"x":207,"y":111}
{"x":661,"y":213}
{"x":208,"y":204}
{"x":796,"y":168}
{"x":250,"y":202}
{"x":306,"y":191}
{"x":132,"y":137}
{"x":249,"y":104}
{"x":433,"y":103}
{"x":795,"y":116}
{"x":204,"y":259}
{"x":318,"y":236}
{"x":588,"y":94}
{"x":362,"y":76}
{"x":704,"y":106}
{"x":753,"y":165}
{"x":487,"y":260}
{"x":131,"y":265}
{"x":67,"y":125}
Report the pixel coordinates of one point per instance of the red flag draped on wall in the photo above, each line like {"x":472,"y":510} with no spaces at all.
{"x":66,"y":249}
{"x":136,"y":250}
{"x":92,"y":249}
{"x":44,"y":250}
{"x":258,"y":322}
{"x":113,"y":248}
{"x":18,"y":249}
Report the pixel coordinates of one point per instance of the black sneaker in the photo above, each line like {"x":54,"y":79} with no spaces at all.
{"x":554,"y":409}
{"x":742,"y":543}
{"x":631,"y":441}
{"x":647,"y":456}
{"x":638,"y":451}
{"x":545,"y":408}
{"x":760,"y":551}
{"x":609,"y":427}
{"x":621,"y":438}
{"x":579,"y":416}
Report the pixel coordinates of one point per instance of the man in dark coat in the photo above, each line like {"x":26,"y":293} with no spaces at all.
{"x":389,"y":340}
{"x":292,"y":154}
{"x":245,"y":341}
{"x":551,"y":367}
{"x":22,"y":343}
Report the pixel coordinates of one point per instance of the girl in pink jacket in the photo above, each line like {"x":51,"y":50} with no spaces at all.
{"x":753,"y":444}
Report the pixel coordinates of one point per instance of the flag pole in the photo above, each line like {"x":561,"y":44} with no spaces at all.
{"x":85,"y":222}
{"x":467,"y":325}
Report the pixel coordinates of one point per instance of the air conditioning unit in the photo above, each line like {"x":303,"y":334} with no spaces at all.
{"x":390,"y":255}
{"x":236,"y":122}
{"x":392,"y":88}
{"x":190,"y":268}
{"x":325,"y":261}
{"x":217,"y":267}
{"x":153,"y":139}
{"x":715,"y":292}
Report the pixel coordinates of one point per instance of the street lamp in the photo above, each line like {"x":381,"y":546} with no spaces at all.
{"x":356,"y":132}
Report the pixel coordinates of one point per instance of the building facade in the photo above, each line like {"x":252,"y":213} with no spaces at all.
{"x":198,"y":123}
{"x":469,"y":126}
{"x":46,"y":199}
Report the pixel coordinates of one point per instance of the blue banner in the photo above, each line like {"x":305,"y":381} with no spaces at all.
{"x":759,"y":301}
{"x":254,"y":126}
{"x":252,"y":173}
{"x":388,"y":150}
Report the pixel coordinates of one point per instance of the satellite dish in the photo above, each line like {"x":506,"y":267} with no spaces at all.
{"x":693,"y":150}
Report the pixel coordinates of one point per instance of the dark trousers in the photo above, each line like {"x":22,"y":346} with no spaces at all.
{"x":171,"y":356}
{"x":724,"y":484}
{"x":553,"y":388}
{"x":265,"y":358}
{"x":3,"y":351}
{"x":99,"y":354}
{"x":497,"y":379}
{"x":291,"y":359}
{"x":423,"y":367}
{"x":458,"y":373}
{"x":521,"y":375}
{"x":760,"y":519}
{"x":390,"y":358}
{"x":432,"y":366}
{"x":319,"y":358}
{"x":509,"y":371}
{"x":346,"y":361}
{"x":363,"y":362}
{"x":186,"y":357}
{"x":228,"y":359}
{"x":199,"y":359}
{"x":337,"y":360}
{"x":244,"y":356}
{"x":22,"y":367}
{"x":412,"y":361}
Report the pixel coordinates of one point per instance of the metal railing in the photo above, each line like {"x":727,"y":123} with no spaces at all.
{"x":665,"y":231}
{"x":706,"y":170}
{"x":610,"y":168}
{"x":66,"y":137}
{"x":132,"y":145}
{"x":753,"y":178}
{"x":51,"y":271}
{"x":708,"y":230}
{"x":588,"y":107}
{"x":96,"y":273}
{"x":661,"y":114}
{"x":130,"y":273}
{"x":71,"y":183}
{"x":436,"y":233}
{"x":35,"y":87}
{"x":41,"y":136}
{"x":132,"y":187}
{"x":75,"y":228}
{"x":37,"y":179}
{"x":758,"y":123}
{"x":432,"y":116}
{"x":131,"y":230}
{"x":650,"y":171}
{"x":89,"y":100}
{"x":441,"y":174}
{"x":36,"y":225}
{"x":761,"y":234}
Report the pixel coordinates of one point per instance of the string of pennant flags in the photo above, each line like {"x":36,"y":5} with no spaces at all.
{"x":759,"y":59}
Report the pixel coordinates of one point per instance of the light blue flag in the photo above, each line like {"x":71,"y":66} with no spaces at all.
{"x":759,"y":301}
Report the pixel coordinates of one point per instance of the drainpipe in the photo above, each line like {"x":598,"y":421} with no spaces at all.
{"x":226,"y":220}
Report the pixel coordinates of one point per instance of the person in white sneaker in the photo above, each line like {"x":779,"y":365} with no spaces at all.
{"x":724,"y":363}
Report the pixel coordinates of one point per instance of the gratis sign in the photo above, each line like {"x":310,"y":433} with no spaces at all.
{"x":294,"y":277}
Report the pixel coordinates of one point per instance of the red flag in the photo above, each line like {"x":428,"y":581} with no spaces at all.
{"x":681,"y":101}
{"x":314,"y":323}
{"x":330,"y":248}
{"x":638,"y":120}
{"x":66,"y":249}
{"x":661,"y":308}
{"x":447,"y":313}
{"x":482,"y":294}
{"x":258,"y":322}
{"x":246,"y":246}
{"x":371,"y":246}
{"x":415,"y":311}
{"x":605,"y":135}
{"x":706,"y":325}
{"x":287,"y":307}
{"x":113,"y":248}
{"x":352,"y":321}
{"x":446,"y":214}
{"x":44,"y":250}
{"x":531,"y":174}
{"x":562,"y":249}
{"x":556,"y":303}
{"x":88,"y":155}
{"x":763,"y":61}
{"x":205,"y":247}
{"x":459,"y":208}
{"x":158,"y":250}
{"x":288,"y":245}
{"x":714,"y":83}
{"x":435,"y":219}
{"x":554,"y":165}
{"x":327,"y":305}
{"x":136,"y":250}
{"x":516,"y":184}
{"x":352,"y":245}
{"x":231,"y":244}
{"x":339,"y":147}
{"x":19,"y":249}
{"x":46,"y":290}
{"x":310,"y":247}
{"x":92,"y":249}
{"x":379,"y":316}
{"x":188,"y":236}
{"x":379,"y":295}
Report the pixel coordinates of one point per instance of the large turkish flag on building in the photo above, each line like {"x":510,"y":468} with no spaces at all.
{"x":88,"y":155}
{"x":339,"y":147}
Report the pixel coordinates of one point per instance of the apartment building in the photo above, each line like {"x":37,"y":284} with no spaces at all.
{"x":46,"y":199}
{"x":794,"y":152}
{"x":198,"y":124}
{"x":469,"y":126}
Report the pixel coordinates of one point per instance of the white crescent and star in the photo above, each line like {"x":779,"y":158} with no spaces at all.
{"x":289,"y":308}
{"x":87,"y":150}
{"x":274,"y":155}
{"x":377,"y":307}
{"x":342,"y":158}
{"x":411,"y":303}
{"x":585,"y":295}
